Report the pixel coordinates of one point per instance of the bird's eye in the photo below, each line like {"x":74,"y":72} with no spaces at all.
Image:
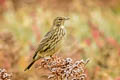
{"x":60,"y":19}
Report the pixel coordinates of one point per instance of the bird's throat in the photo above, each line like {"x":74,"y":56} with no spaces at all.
{"x":62,"y":27}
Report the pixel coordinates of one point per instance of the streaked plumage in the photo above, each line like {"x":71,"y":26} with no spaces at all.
{"x":51,"y":42}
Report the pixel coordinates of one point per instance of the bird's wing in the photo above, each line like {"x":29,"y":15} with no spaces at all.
{"x":44,"y":43}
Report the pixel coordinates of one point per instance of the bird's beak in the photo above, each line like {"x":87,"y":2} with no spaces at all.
{"x":66,"y":18}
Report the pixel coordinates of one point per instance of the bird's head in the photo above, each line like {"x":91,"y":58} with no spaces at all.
{"x":59,"y":21}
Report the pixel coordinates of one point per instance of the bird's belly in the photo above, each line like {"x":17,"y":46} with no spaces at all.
{"x":54,"y":50}
{"x":54,"y":44}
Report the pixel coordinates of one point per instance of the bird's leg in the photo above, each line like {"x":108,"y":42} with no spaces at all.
{"x":52,"y":57}
{"x":47,"y":58}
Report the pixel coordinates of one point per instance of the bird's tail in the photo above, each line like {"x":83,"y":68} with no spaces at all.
{"x":30,"y":65}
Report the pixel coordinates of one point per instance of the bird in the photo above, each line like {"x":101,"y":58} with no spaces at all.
{"x":51,"y":42}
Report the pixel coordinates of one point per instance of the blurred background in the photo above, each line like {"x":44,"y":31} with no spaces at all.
{"x":93,"y":31}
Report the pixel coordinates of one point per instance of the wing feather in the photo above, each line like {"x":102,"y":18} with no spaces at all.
{"x":44,"y":43}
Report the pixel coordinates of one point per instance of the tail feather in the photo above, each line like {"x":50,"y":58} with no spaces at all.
{"x":30,"y":65}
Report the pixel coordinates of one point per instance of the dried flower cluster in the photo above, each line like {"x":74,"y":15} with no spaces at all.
{"x":64,"y":69}
{"x":4,"y":75}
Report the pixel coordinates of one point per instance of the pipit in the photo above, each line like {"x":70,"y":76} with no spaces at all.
{"x":51,"y":42}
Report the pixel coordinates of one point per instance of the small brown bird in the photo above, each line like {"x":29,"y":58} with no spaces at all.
{"x":51,"y":42}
